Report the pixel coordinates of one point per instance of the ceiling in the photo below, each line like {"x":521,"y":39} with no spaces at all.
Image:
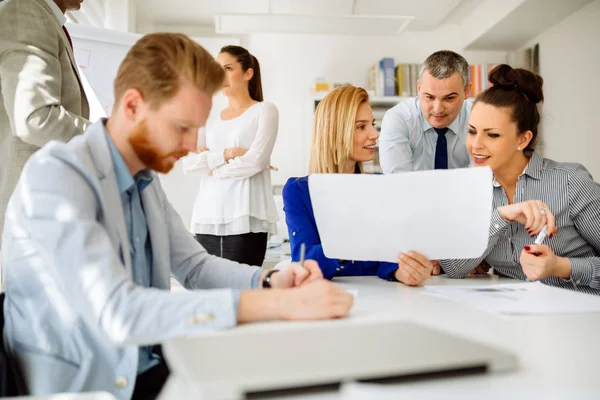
{"x":428,"y":14}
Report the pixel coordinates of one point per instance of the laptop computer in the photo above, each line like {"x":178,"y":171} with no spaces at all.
{"x":250,"y":363}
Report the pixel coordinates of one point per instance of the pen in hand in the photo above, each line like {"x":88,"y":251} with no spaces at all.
{"x":542,"y":235}
{"x":301,"y":262}
{"x":539,"y":240}
{"x":302,"y":253}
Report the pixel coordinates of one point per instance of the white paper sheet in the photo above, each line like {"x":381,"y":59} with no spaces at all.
{"x":519,"y":298}
{"x":442,"y":214}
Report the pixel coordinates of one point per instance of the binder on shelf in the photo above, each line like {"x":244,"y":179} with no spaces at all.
{"x":414,"y":76}
{"x":405,"y":80}
{"x":386,"y":66}
{"x":478,"y":76}
{"x":399,"y":80}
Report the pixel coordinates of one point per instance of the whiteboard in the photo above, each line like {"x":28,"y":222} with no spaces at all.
{"x":98,"y":53}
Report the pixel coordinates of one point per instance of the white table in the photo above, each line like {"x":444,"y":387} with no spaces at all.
{"x":68,"y":396}
{"x":559,"y":354}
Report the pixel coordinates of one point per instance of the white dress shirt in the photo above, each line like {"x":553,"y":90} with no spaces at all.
{"x":237,"y":197}
{"x":408,"y":141}
{"x":57,"y":12}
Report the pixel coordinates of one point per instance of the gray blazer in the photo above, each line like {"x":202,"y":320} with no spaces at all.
{"x":41,"y":98}
{"x":74,"y":317}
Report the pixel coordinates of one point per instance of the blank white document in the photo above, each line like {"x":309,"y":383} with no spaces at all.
{"x":443,"y":214}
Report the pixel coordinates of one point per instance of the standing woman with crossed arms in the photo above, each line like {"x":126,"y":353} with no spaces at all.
{"x":235,"y":210}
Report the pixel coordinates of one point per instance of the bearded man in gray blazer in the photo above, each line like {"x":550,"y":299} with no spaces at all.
{"x":42,"y":97}
{"x":90,"y":242}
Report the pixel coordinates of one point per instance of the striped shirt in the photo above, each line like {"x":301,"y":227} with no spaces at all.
{"x":574,"y":199}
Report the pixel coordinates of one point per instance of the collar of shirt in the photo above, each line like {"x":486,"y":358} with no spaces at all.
{"x":57,"y":12}
{"x":124,"y":179}
{"x":533,"y":169}
{"x":453,"y":127}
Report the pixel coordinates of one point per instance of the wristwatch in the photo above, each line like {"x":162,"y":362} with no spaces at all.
{"x":266,"y":283}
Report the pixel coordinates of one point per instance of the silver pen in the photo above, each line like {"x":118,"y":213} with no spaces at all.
{"x":542,"y":235}
{"x":539,"y":240}
{"x":302,"y":252}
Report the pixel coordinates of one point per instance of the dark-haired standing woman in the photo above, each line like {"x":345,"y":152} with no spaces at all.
{"x":531,"y":192}
{"x":235,"y":210}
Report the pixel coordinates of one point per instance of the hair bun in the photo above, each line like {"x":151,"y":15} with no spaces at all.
{"x":519,"y":79}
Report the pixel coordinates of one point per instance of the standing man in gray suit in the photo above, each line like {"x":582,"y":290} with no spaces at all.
{"x":91,"y":241}
{"x":42,"y":98}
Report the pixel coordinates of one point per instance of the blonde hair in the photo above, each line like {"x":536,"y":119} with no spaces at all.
{"x":159,"y":63}
{"x":333,"y":130}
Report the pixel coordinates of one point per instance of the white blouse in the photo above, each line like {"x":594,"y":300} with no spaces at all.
{"x":238,"y":197}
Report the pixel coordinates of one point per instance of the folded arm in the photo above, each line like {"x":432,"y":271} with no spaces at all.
{"x":258,"y":156}
{"x":206,"y":161}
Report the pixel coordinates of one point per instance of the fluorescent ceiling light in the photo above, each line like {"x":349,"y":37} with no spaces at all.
{"x":360,"y":25}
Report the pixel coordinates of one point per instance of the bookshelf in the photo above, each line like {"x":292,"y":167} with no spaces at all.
{"x":379,"y":104}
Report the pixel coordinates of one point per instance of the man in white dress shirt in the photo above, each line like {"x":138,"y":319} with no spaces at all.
{"x":429,"y":131}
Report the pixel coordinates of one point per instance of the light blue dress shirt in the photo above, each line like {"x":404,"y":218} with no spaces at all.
{"x":137,"y":231}
{"x":408,"y":141}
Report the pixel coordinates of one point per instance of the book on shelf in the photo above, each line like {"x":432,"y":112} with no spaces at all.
{"x":478,"y":76}
{"x":382,"y":78}
{"x":405,"y":89}
{"x":399,"y":80}
{"x":386,"y":66}
{"x":404,"y":77}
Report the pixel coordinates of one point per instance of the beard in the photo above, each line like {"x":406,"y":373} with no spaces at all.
{"x":149,"y":153}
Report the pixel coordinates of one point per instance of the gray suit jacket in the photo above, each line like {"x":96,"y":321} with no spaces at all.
{"x":74,"y":317}
{"x":41,"y":98}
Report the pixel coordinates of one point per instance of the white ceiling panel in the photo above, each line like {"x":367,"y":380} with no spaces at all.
{"x":428,"y":13}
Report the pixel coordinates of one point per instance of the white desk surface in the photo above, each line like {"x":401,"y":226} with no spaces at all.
{"x":68,"y":396}
{"x":559,"y":355}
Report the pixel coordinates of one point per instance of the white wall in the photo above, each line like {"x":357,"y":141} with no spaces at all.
{"x":570,"y":66}
{"x":290,"y":64}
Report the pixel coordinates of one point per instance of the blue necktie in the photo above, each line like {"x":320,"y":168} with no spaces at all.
{"x":441,"y":149}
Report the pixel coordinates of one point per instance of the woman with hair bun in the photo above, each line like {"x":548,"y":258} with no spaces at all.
{"x":533,"y":196}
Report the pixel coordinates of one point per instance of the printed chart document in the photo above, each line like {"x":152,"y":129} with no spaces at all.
{"x":442,"y":214}
{"x":519,"y":298}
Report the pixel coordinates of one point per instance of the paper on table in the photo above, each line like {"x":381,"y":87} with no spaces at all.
{"x":442,"y":214}
{"x":519,"y":298}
